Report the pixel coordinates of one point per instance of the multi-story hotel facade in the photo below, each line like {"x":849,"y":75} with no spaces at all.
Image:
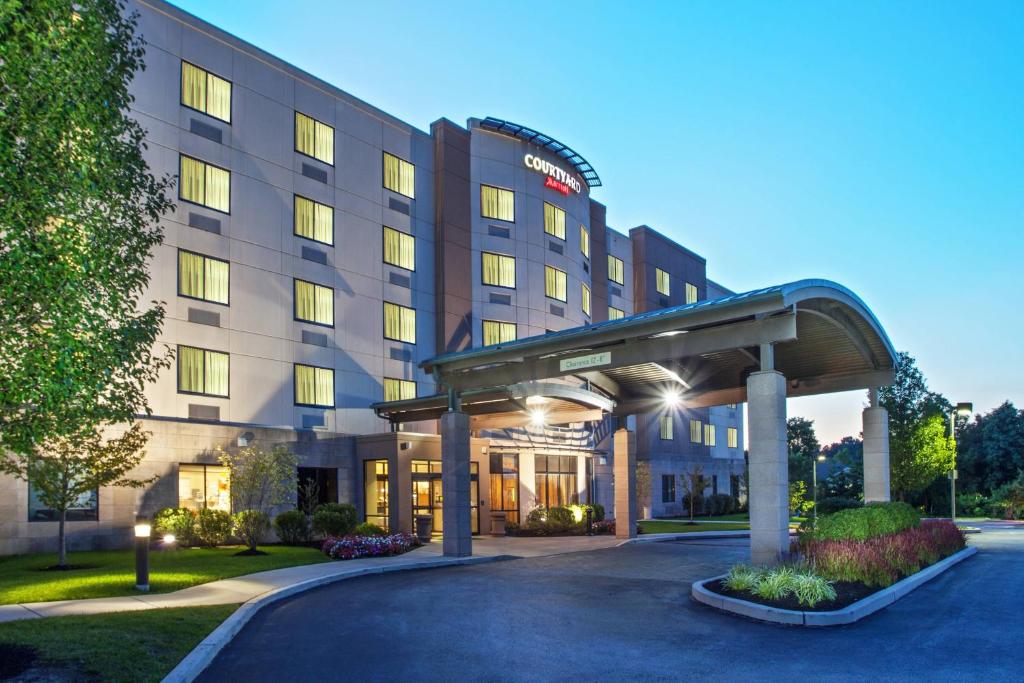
{"x":321,"y":249}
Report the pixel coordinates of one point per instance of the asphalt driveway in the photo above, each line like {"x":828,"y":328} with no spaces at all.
{"x":626,"y":614}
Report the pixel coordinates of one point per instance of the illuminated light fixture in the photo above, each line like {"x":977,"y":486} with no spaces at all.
{"x":537,"y":417}
{"x":536,"y":400}
{"x":143,"y":530}
{"x":964,"y":409}
{"x":577,"y":514}
{"x":169,"y":539}
{"x":672,"y":398}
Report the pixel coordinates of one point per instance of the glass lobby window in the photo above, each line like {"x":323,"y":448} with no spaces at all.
{"x":201,"y":371}
{"x":204,"y":486}
{"x":498,"y":332}
{"x":314,"y":303}
{"x":496,"y":202}
{"x":732,"y":435}
{"x":615,"y":313}
{"x":204,"y":184}
{"x":554,"y":221}
{"x":709,"y":435}
{"x":399,"y":249}
{"x":554,"y":283}
{"x":691,"y":293}
{"x":85,"y":508}
{"x":375,"y":492}
{"x":314,"y":221}
{"x":202,"y":277}
{"x":314,"y":386}
{"x":616,"y":270}
{"x":399,"y":175}
{"x":316,"y":486}
{"x":695,"y":429}
{"x":314,"y":139}
{"x":498,"y":270}
{"x":556,"y":480}
{"x":399,"y":389}
{"x":585,"y":301}
{"x":202,"y":91}
{"x":584,"y":242}
{"x":668,"y":488}
{"x":505,"y":485}
{"x":399,"y":323}
{"x":665,"y":424}
{"x":662,"y":282}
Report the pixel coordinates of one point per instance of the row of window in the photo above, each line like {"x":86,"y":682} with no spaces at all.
{"x":699,"y":432}
{"x":664,"y":286}
{"x":499,"y":204}
{"x":499,"y":270}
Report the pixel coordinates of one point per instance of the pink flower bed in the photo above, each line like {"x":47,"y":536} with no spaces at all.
{"x":352,"y":547}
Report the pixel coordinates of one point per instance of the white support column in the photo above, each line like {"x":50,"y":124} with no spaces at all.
{"x":876,"y":451}
{"x":769,"y":474}
{"x":457,"y":538}
{"x":625,"y":483}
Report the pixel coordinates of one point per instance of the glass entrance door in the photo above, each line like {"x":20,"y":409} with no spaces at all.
{"x":428,"y":496}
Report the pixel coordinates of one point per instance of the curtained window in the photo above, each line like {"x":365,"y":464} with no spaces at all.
{"x":399,"y":389}
{"x":695,"y":428}
{"x":554,"y":221}
{"x":201,"y":371}
{"x":498,"y":332}
{"x":505,"y":485}
{"x":556,"y":477}
{"x":314,"y":139}
{"x":615,"y":313}
{"x":202,"y":91}
{"x":615,"y":270}
{"x":586,"y":299}
{"x":314,"y":386}
{"x":399,"y":323}
{"x":691,"y":293}
{"x":709,"y":435}
{"x":314,"y":221}
{"x":496,"y":202}
{"x":665,"y":423}
{"x":399,"y":175}
{"x":732,"y":434}
{"x":205,"y":184}
{"x":584,"y":242}
{"x":399,"y":249}
{"x":202,"y":277}
{"x":661,"y":278}
{"x":554,"y":283}
{"x":314,"y":303}
{"x":498,"y":270}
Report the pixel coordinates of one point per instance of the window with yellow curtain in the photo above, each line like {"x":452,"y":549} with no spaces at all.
{"x":709,"y":435}
{"x":584,"y":242}
{"x":314,"y":221}
{"x":733,"y":436}
{"x":399,"y":249}
{"x":205,"y":184}
{"x":205,"y":92}
{"x":665,"y":424}
{"x":695,"y":429}
{"x":399,"y":323}
{"x":498,"y":332}
{"x":399,"y":389}
{"x":201,"y":371}
{"x":554,"y":283}
{"x":586,"y":299}
{"x":399,"y":175}
{"x":314,"y":139}
{"x":314,"y":303}
{"x":314,"y":386}
{"x":498,"y":270}
{"x":554,"y":221}
{"x":202,"y":277}
{"x":661,"y":280}
{"x":496,"y":202}
{"x":691,"y":293}
{"x":615,"y":313}
{"x":615,"y":270}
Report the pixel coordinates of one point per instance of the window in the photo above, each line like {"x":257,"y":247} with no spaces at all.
{"x":316,"y":486}
{"x":497,"y":332}
{"x":668,"y":488}
{"x":314,"y":139}
{"x":399,"y":175}
{"x":498,"y":270}
{"x":399,"y":389}
{"x":202,"y":277}
{"x":584,"y":242}
{"x":399,"y":323}
{"x":85,"y":508}
{"x":314,"y":386}
{"x":314,"y":303}
{"x":554,"y":221}
{"x":201,"y":371}
{"x":714,"y":484}
{"x":399,"y":249}
{"x":586,"y":299}
{"x":375,"y":492}
{"x":615,"y":313}
{"x":202,"y":91}
{"x":505,"y":485}
{"x":709,"y":435}
{"x":204,"y":486}
{"x":695,"y":429}
{"x":615,"y":270}
{"x":499,"y":203}
{"x":691,"y":293}
{"x":205,"y":184}
{"x":666,"y":427}
{"x":556,"y":480}
{"x":554,"y":283}
{"x":662,"y":281}
{"x":314,"y":221}
{"x":733,"y":437}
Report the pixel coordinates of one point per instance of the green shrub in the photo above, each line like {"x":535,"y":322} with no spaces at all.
{"x":826,"y":506}
{"x":550,"y":520}
{"x":251,"y":526}
{"x":213,"y":527}
{"x":810,"y":589}
{"x":335,"y":519}
{"x":369,"y":529}
{"x":598,"y":512}
{"x":561,"y":516}
{"x":774,"y":584}
{"x":972,"y":505}
{"x":292,"y":527}
{"x":178,"y":521}
{"x":721,"y":504}
{"x":859,"y":524}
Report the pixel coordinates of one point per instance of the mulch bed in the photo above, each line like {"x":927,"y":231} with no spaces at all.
{"x":847,"y":593}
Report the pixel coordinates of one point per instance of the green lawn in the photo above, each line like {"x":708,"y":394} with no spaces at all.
{"x":107,"y":573}
{"x":124,"y":646}
{"x":666,"y":526}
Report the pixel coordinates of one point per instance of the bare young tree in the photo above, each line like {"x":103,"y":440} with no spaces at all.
{"x":694,"y":484}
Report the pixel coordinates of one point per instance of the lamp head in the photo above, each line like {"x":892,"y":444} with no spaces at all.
{"x":143,"y":529}
{"x":964,"y":409}
{"x":671,"y":398}
{"x":537,"y":417}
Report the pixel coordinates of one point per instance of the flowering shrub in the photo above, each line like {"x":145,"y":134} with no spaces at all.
{"x":605,"y":526}
{"x":883,"y":560}
{"x":352,"y":547}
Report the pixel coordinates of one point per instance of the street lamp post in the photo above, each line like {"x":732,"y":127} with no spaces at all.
{"x":964,"y":410}
{"x":143,"y":529}
{"x":814,"y":478}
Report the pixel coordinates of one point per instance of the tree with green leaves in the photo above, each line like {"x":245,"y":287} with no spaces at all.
{"x":803,"y":447}
{"x":991,"y":449}
{"x":930,"y":454}
{"x":845,"y":477}
{"x":261,"y":479}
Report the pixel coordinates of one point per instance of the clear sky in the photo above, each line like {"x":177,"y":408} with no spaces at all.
{"x":880,"y":145}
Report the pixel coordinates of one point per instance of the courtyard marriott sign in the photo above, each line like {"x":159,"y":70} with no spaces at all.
{"x":593,"y":360}
{"x":557,"y":178}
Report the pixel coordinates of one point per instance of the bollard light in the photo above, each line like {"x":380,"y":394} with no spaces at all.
{"x":143,"y":529}
{"x":169,"y":539}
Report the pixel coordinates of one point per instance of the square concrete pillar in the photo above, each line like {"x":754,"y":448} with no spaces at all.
{"x":769,"y":468}
{"x":876,"y":454}
{"x":457,"y":539}
{"x":625,"y":483}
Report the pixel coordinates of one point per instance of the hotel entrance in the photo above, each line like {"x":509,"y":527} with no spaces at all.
{"x":427,"y":496}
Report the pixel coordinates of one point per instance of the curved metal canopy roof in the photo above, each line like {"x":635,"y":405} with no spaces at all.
{"x":581,"y":165}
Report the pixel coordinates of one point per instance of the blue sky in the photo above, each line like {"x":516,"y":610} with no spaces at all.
{"x":880,"y":145}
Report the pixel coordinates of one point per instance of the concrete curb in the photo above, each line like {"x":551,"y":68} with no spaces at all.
{"x":847,"y":615}
{"x":189,"y":668}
